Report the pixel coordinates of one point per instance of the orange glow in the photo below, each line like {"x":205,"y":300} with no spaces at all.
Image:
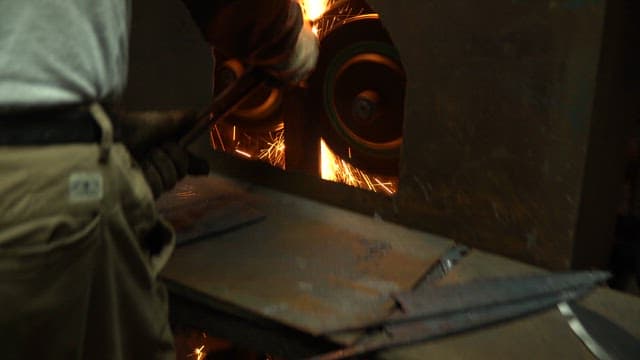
{"x":313,"y":9}
{"x":328,"y":163}
{"x":335,"y":169}
{"x":199,"y":353}
{"x":270,"y":148}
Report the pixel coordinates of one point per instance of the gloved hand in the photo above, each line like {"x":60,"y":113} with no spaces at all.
{"x":303,"y":58}
{"x":265,"y":33}
{"x":152,"y":138}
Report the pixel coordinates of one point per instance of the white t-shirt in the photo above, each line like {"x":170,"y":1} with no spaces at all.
{"x":62,"y":51}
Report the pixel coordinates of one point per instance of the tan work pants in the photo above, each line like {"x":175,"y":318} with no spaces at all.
{"x":76,"y":281}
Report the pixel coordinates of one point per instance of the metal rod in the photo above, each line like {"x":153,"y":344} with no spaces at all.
{"x":226,"y":102}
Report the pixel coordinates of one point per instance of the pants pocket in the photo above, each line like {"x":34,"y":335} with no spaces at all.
{"x":61,"y":238}
{"x":45,"y":289}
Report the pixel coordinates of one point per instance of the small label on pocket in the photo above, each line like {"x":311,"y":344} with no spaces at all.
{"x":85,"y":187}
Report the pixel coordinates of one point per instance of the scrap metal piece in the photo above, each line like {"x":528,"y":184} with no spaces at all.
{"x":430,"y":301}
{"x":438,"y":311}
{"x":419,"y":331}
{"x":436,"y":272}
{"x":490,"y":292}
{"x":605,"y":340}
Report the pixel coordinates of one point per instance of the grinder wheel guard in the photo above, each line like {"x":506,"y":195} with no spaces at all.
{"x":261,"y":111}
{"x":357,"y":94}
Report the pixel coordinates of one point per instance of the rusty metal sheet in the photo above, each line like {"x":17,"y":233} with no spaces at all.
{"x":307,"y":265}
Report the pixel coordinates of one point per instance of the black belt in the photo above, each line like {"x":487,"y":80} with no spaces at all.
{"x":49,"y":127}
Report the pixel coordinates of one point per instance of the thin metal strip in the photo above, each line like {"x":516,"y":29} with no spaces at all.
{"x":446,"y":263}
{"x":582,"y":333}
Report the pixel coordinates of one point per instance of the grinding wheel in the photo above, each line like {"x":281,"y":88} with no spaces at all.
{"x":357,"y":94}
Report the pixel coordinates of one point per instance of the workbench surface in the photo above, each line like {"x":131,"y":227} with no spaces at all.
{"x":282,"y":271}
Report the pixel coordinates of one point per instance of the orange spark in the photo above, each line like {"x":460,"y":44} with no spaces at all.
{"x":215,"y":127}
{"x":274,"y":151}
{"x":385,"y":186}
{"x":333,"y":168}
{"x":243,"y":153}
{"x":186,"y":194}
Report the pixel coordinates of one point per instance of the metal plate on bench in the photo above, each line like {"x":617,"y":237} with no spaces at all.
{"x":307,"y":265}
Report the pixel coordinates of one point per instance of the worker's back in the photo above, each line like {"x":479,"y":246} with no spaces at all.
{"x":62,"y":52}
{"x":81,"y":241}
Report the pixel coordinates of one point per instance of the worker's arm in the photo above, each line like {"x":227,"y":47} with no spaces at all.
{"x":152,"y":138}
{"x":267,"y":33}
